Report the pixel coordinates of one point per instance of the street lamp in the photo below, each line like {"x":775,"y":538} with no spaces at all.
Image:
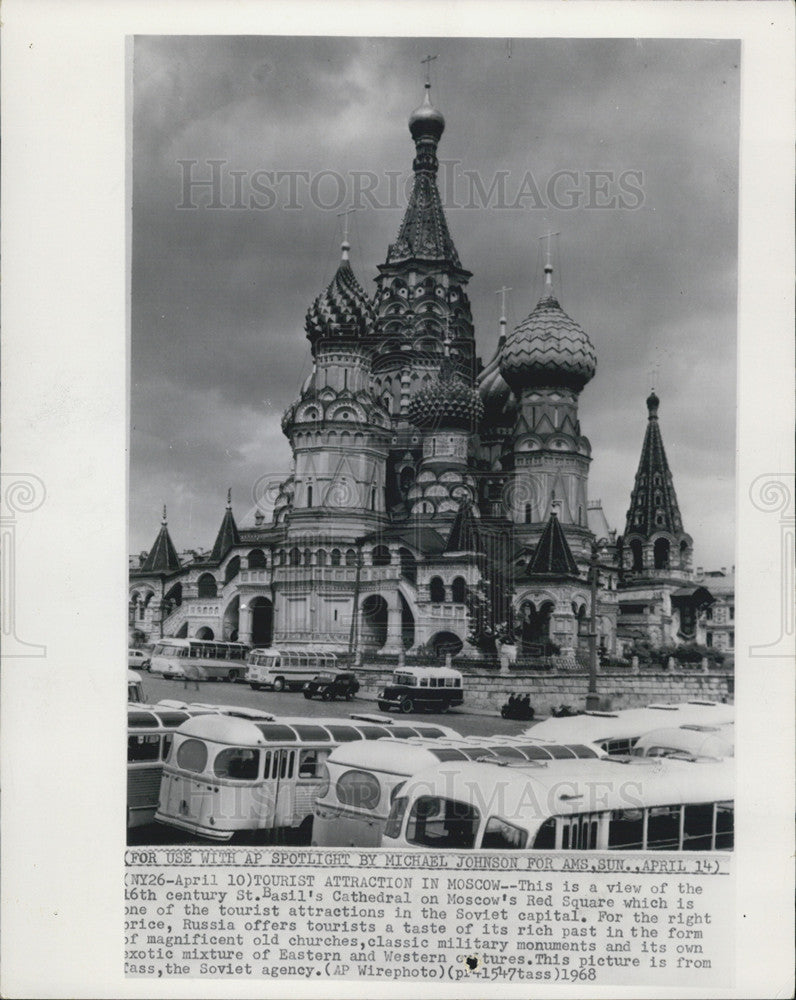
{"x":597,"y":549}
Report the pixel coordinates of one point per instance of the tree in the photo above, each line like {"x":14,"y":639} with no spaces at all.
{"x":481,"y":627}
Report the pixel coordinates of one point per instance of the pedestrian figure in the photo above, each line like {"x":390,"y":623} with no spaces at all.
{"x":190,"y":673}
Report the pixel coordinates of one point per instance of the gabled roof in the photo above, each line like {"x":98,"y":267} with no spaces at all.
{"x":227,"y":537}
{"x":553,"y":556}
{"x":464,"y":535}
{"x":162,"y":557}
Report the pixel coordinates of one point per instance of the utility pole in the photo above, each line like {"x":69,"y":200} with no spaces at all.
{"x":597,"y":549}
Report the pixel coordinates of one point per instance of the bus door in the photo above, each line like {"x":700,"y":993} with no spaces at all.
{"x":279,"y":788}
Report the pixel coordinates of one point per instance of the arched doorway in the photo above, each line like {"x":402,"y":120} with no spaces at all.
{"x":444,"y":643}
{"x":661,"y":553}
{"x":374,"y":622}
{"x":231,"y":620}
{"x":262,"y":615}
{"x":205,"y":632}
{"x":207,"y":586}
{"x":637,"y":555}
{"x":535,"y":627}
{"x":436,"y":590}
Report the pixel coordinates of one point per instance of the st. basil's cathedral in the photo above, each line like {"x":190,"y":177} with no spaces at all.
{"x":435,"y":504}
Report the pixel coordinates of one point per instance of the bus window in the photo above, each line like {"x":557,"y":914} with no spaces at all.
{"x":239,"y":763}
{"x":663,"y":828}
{"x":314,"y":734}
{"x":698,"y":827}
{"x":286,"y":764}
{"x":192,"y":755}
{"x":310,"y":763}
{"x":502,"y":836}
{"x":374,"y":732}
{"x":560,"y":752}
{"x":143,"y":747}
{"x":358,"y":789}
{"x":393,"y":827}
{"x":545,"y":839}
{"x":438,"y":822}
{"x":276,"y":733}
{"x":625,"y":831}
{"x":343,"y":734}
{"x":267,"y":767}
{"x":168,"y":739}
{"x":724,"y":826}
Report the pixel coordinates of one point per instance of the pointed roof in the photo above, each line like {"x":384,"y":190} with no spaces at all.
{"x":228,"y":535}
{"x":553,"y":556}
{"x":653,"y":502}
{"x":424,"y":233}
{"x":465,"y":535}
{"x":162,"y":557}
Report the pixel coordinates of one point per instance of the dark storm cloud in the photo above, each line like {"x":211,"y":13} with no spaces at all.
{"x":218,"y":347}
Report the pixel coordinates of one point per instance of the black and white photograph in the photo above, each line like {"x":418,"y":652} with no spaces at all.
{"x":434,"y":476}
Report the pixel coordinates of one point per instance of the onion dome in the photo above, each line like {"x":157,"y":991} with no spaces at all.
{"x":426,"y":121}
{"x":548,"y":348}
{"x":446,"y":402}
{"x":343,"y":309}
{"x":500,"y":404}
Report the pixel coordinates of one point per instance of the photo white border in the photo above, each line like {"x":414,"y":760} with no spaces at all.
{"x":65,"y":230}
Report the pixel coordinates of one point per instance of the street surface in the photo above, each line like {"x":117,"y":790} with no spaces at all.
{"x":294,"y":703}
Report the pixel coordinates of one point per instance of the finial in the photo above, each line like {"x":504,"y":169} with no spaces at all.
{"x":427,"y":63}
{"x":345,"y":246}
{"x":164,"y":521}
{"x":652,"y":405}
{"x":555,"y":506}
{"x":229,"y":499}
{"x":502,"y":293}
{"x":548,"y":263}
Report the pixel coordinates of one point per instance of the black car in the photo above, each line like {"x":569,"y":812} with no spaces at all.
{"x":332,"y":685}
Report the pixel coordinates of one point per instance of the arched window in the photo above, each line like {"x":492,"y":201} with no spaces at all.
{"x":373,"y":498}
{"x":233,"y":568}
{"x":307,"y":557}
{"x":309,"y":495}
{"x":684,"y":554}
{"x":380,"y":556}
{"x":320,"y":559}
{"x":661,"y":553}
{"x":458,"y":590}
{"x":295,"y":557}
{"x":207,"y":586}
{"x":638,"y":555}
{"x":527,"y":513}
{"x":350,"y":557}
{"x":335,"y":557}
{"x":257,"y":559}
{"x":436,"y":590}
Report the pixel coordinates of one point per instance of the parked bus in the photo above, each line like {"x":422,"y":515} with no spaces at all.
{"x":201,"y":659}
{"x":282,"y":669}
{"x":688,"y":741}
{"x":617,"y":732}
{"x":135,"y":689}
{"x":416,"y":689}
{"x":227,"y":774}
{"x":642,"y":804}
{"x":361,"y":781}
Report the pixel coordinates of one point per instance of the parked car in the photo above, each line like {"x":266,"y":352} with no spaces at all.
{"x":331,"y":685}
{"x":137,"y":659}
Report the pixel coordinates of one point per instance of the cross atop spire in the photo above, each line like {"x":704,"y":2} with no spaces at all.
{"x":502,"y":293}
{"x":229,"y":498}
{"x":548,"y":262}
{"x":427,"y":63}
{"x":345,"y":246}
{"x":164,"y":519}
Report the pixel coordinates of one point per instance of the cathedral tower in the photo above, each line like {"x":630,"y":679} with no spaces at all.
{"x":654,"y":543}
{"x":546,"y":361}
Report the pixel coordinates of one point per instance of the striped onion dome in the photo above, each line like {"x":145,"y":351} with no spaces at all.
{"x":446,"y":402}
{"x":342,"y":310}
{"x":547,"y":348}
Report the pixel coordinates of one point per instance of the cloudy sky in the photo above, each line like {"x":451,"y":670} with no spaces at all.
{"x":646,"y":133}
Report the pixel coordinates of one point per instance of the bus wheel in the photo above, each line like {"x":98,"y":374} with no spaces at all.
{"x":231,"y":677}
{"x":279,"y":684}
{"x":348,"y":696}
{"x":407,"y":706}
{"x":327,"y":695}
